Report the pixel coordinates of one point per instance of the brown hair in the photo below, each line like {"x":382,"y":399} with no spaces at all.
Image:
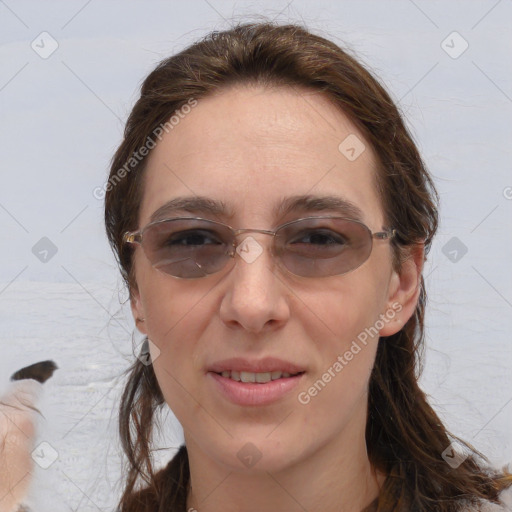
{"x":405,"y":438}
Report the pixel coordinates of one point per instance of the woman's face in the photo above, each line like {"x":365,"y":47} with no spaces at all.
{"x":251,"y":148}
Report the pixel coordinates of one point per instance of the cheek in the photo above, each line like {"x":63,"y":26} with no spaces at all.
{"x":346,"y":307}
{"x":177,"y":314}
{"x":345,"y":342}
{"x":348,"y":349}
{"x":169,"y":303}
{"x":343,"y":323}
{"x":171,"y":328}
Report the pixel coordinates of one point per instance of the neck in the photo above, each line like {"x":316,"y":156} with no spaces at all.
{"x":335,"y":477}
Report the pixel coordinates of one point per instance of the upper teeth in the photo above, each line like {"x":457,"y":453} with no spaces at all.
{"x":254,"y":377}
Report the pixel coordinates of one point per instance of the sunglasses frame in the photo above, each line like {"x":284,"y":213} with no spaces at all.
{"x":136,"y":237}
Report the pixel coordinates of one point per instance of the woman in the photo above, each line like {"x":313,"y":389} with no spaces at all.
{"x":270,"y":130}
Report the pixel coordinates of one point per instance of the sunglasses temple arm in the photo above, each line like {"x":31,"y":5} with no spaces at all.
{"x":385,"y":235}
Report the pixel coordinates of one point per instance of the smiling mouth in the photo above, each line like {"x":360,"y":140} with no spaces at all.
{"x":258,"y":378}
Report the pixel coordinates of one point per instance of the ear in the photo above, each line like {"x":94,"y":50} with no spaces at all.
{"x":137,"y":310}
{"x":404,"y":290}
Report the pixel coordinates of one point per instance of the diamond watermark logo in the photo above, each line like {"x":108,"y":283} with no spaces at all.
{"x":44,"y":250}
{"x":44,"y":455}
{"x":454,"y":45}
{"x":454,"y":249}
{"x":249,"y":250}
{"x":454,"y":456}
{"x":147,"y":352}
{"x":44,"y":45}
{"x":249,"y":455}
{"x":352,"y":147}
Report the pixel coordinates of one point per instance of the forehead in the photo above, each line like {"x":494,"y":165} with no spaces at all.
{"x":251,"y":148}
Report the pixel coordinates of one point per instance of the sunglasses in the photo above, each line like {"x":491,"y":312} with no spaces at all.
{"x":192,"y":247}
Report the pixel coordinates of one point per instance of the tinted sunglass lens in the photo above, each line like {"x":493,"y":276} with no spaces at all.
{"x":323,"y":247}
{"x":187,"y":248}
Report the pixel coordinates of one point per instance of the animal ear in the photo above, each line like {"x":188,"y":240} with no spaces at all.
{"x":41,"y":371}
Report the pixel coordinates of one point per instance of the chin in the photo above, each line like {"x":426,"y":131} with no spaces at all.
{"x":253,"y":454}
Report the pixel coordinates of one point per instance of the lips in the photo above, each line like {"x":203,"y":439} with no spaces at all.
{"x":255,"y":382}
{"x":261,"y":378}
{"x":238,"y":365}
{"x":254,"y":393}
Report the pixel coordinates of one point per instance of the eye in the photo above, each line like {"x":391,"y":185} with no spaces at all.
{"x":319,"y":237}
{"x":193,"y":237}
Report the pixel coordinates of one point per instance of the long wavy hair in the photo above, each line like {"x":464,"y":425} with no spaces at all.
{"x":405,"y":437}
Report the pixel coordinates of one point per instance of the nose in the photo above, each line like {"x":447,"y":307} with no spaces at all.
{"x":255,"y":297}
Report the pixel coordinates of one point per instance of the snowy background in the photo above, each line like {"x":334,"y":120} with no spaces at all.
{"x":62,"y":117}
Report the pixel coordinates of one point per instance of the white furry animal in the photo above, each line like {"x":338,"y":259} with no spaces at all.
{"x":18,"y":417}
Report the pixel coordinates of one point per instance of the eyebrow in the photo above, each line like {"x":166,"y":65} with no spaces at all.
{"x":300,"y":204}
